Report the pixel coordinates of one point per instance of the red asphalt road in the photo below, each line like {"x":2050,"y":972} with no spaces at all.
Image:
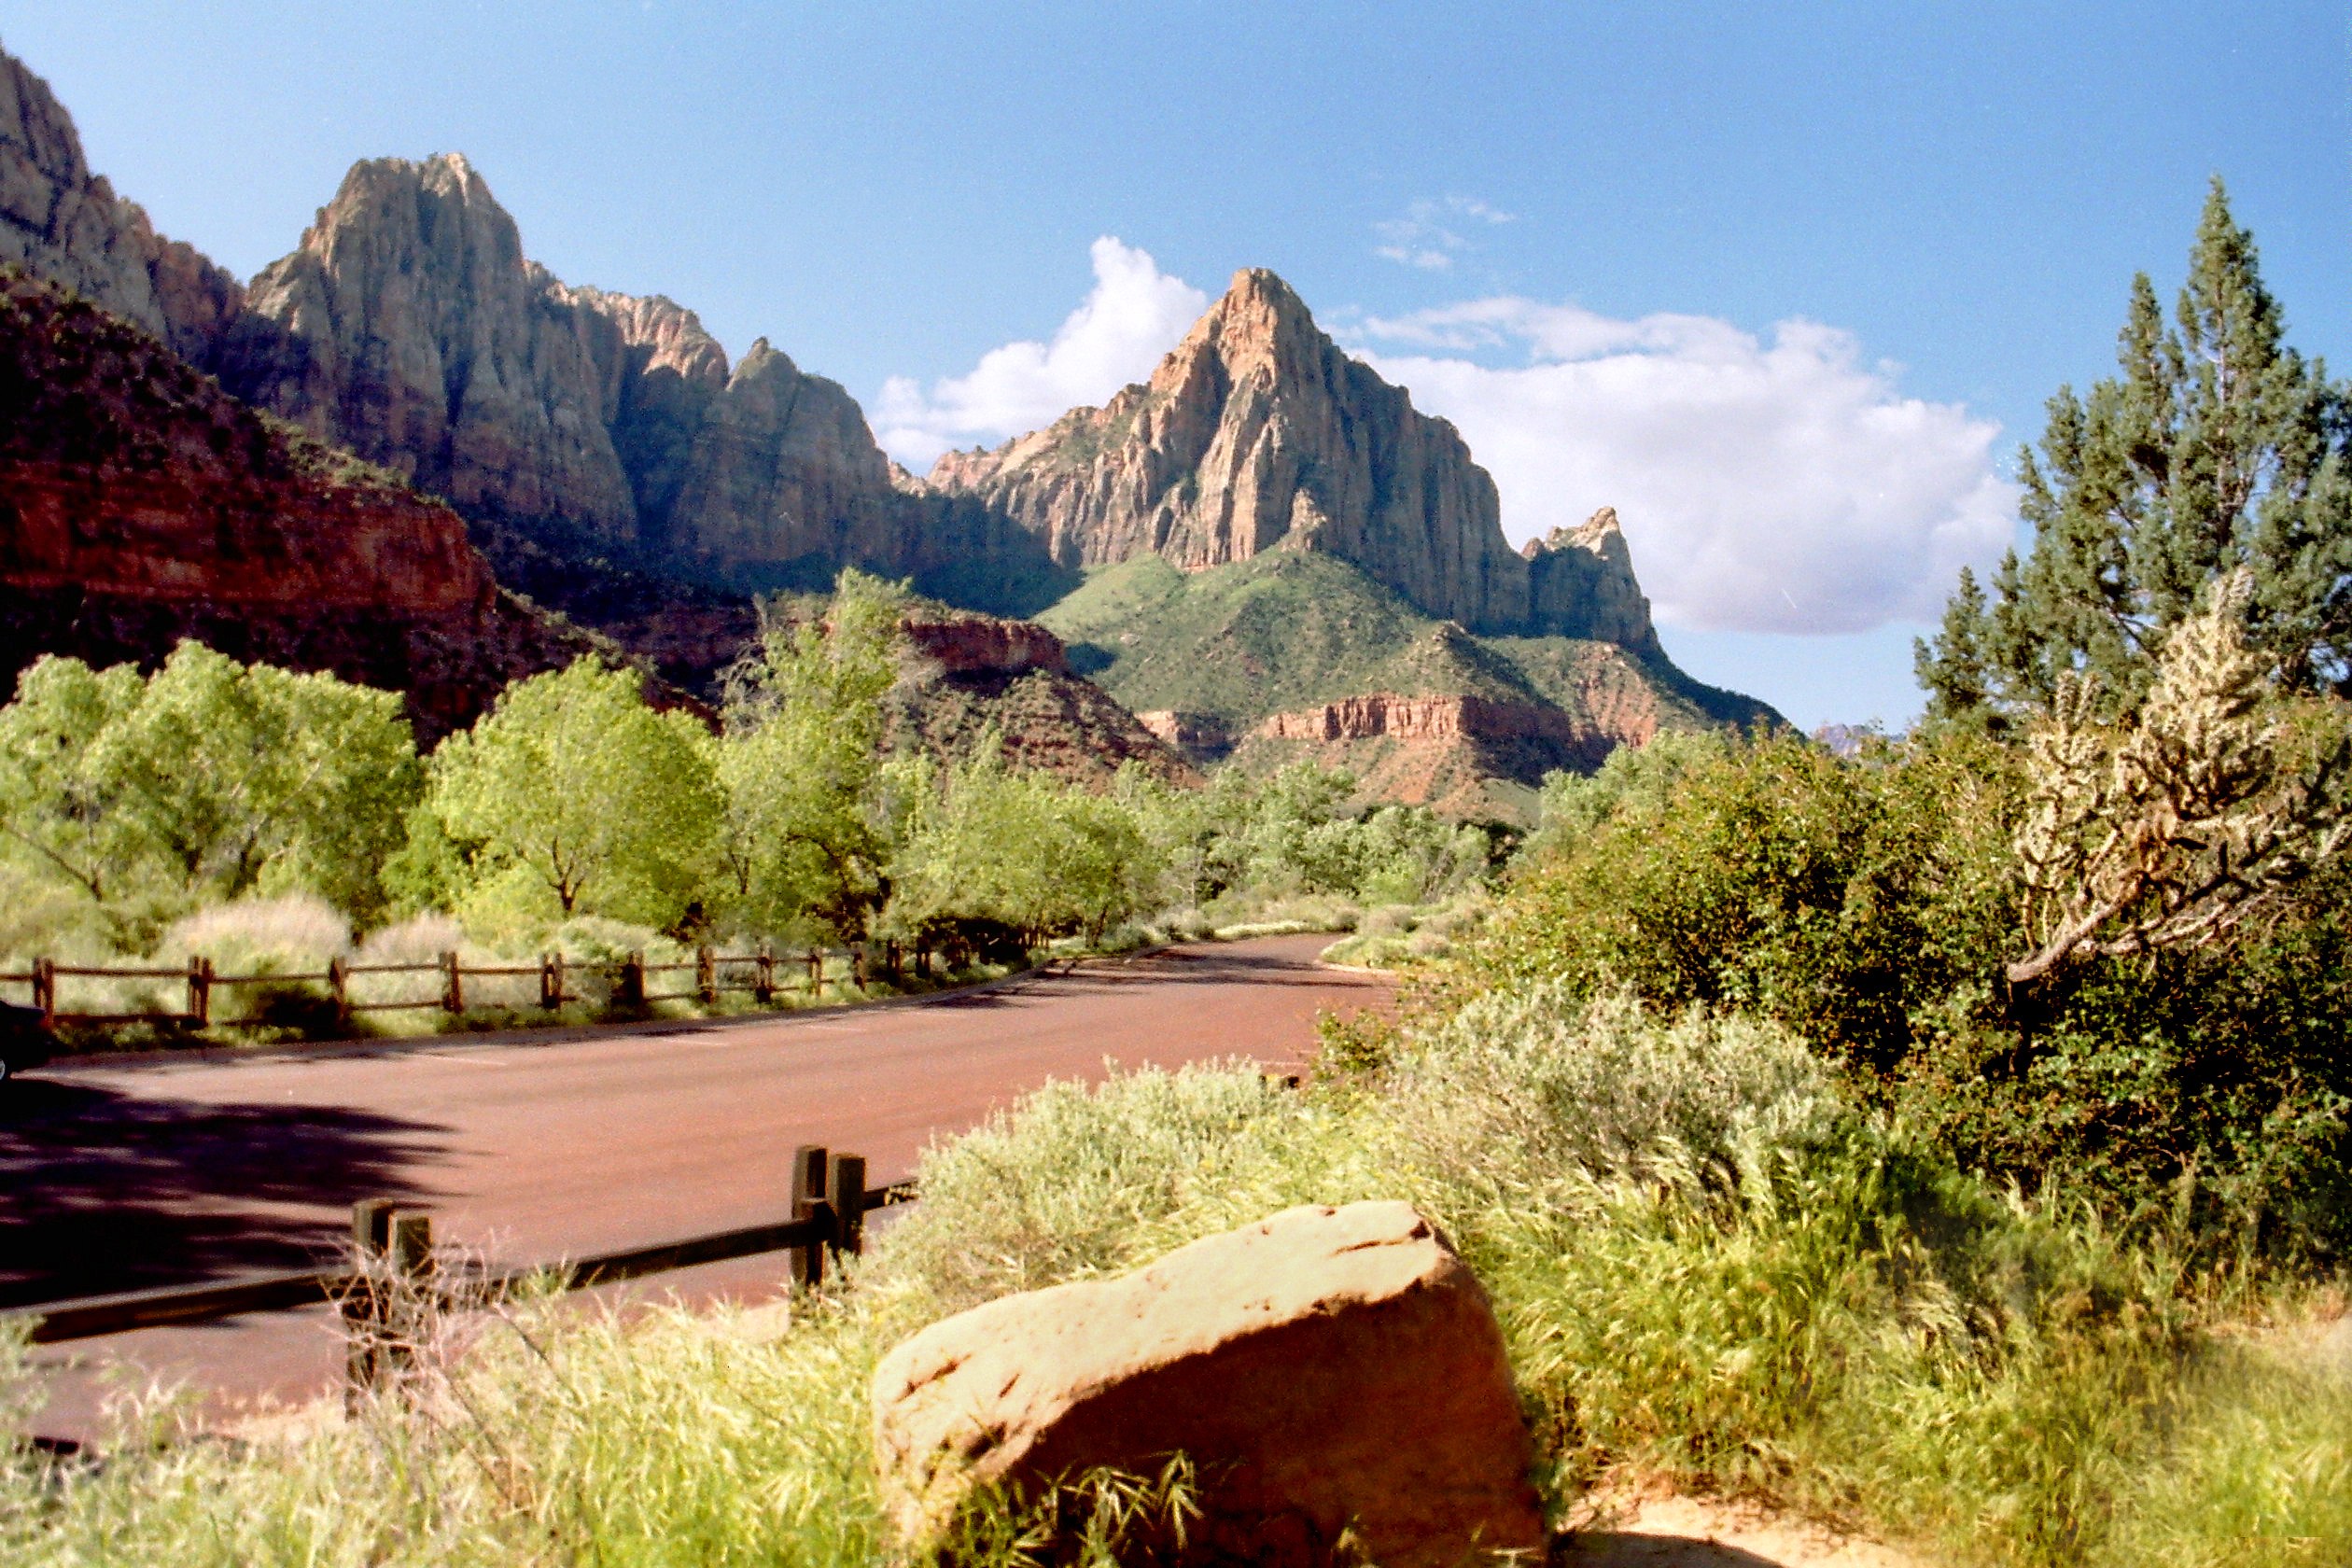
{"x":118,"y":1174}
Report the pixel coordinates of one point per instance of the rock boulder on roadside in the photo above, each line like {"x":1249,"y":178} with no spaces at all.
{"x":1328,"y":1371}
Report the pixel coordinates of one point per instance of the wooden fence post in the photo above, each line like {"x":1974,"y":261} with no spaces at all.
{"x":844,"y":1188}
{"x":200,"y":984}
{"x":453,"y":985}
{"x":45,"y":988}
{"x":408,"y":1257}
{"x":363,"y":1309}
{"x":633,"y":981}
{"x":810,"y":1171}
{"x":705,"y":974}
{"x":858,"y":964}
{"x":816,"y":969}
{"x":551,"y":980}
{"x":763,"y":983}
{"x":338,"y":988}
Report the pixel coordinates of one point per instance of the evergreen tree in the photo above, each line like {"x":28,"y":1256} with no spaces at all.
{"x":2218,"y":447}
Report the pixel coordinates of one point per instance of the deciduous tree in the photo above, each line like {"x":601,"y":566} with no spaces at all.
{"x":574,"y":786}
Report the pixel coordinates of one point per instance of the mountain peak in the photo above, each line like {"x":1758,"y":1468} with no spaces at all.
{"x":59,"y":222}
{"x":1260,"y":290}
{"x":1259,"y":432}
{"x":1259,"y":323}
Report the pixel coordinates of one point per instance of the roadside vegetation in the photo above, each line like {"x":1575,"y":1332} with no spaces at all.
{"x":1952,"y":1140}
{"x":273,"y":822}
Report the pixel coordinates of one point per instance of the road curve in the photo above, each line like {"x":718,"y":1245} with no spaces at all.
{"x":122,"y":1174}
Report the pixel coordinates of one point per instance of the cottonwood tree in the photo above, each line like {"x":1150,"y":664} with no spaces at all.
{"x":810,"y":799}
{"x":2169,"y":826}
{"x":1027,"y":850}
{"x":210,"y":781}
{"x":574,"y":787}
{"x":2218,"y":448}
{"x":62,"y":803}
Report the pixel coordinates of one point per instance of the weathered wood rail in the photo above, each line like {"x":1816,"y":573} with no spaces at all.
{"x":764,"y":974}
{"x":392,"y":1258}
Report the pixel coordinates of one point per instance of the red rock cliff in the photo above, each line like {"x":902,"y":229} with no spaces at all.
{"x":140,"y":504}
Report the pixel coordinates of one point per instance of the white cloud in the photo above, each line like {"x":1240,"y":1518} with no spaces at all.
{"x":1764,"y":487}
{"x":1426,"y":235}
{"x":1134,"y":314}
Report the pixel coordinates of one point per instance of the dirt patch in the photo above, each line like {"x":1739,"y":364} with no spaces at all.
{"x":1630,"y":1531}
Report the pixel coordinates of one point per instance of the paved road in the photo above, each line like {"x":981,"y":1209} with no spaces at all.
{"x":116,"y":1175}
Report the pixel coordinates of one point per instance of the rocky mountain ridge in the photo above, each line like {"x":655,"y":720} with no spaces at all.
{"x":59,"y":222}
{"x":611,"y":462}
{"x":1299,"y":653}
{"x":1258,"y":432}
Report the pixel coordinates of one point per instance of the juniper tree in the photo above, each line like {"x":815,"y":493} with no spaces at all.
{"x":2216,"y":447}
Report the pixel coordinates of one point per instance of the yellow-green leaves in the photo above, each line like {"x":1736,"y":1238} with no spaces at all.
{"x":210,"y":781}
{"x":575,"y":796}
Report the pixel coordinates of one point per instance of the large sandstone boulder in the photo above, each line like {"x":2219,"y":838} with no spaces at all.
{"x":1327,"y":1371}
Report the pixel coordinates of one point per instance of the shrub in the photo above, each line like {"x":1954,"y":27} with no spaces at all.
{"x":1524,"y":1089}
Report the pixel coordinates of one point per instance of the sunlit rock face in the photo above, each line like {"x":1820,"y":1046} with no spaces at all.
{"x":59,"y":222}
{"x":410,"y":327}
{"x":1257,"y":433}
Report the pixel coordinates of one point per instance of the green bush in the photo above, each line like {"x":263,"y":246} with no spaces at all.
{"x":1868,"y":906}
{"x":1526,"y":1088}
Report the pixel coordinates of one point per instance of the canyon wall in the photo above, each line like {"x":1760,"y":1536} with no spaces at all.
{"x":410,"y":327}
{"x":139,"y":504}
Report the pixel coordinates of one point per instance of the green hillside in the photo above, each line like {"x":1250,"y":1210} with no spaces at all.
{"x":1291,"y":629}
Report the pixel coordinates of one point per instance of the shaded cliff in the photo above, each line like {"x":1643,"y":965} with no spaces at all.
{"x":1257,"y":433}
{"x":139,"y":504}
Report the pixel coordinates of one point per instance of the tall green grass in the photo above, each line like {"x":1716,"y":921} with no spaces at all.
{"x":1709,"y":1267}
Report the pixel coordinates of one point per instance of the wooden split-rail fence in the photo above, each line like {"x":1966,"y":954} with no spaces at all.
{"x":395,"y":1276}
{"x":633,"y":981}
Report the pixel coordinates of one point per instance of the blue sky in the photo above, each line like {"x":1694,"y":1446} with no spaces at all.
{"x":1767,"y":279}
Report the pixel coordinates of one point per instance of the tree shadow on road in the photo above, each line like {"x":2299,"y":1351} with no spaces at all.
{"x":101,"y":1191}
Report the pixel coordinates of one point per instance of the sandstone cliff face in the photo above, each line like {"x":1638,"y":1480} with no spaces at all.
{"x":784,"y":470}
{"x":657,"y":374}
{"x":1258,"y":432}
{"x":139,"y":505}
{"x":411,"y":328}
{"x":967,"y":644}
{"x":62,"y":222}
{"x":1582,"y":578}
